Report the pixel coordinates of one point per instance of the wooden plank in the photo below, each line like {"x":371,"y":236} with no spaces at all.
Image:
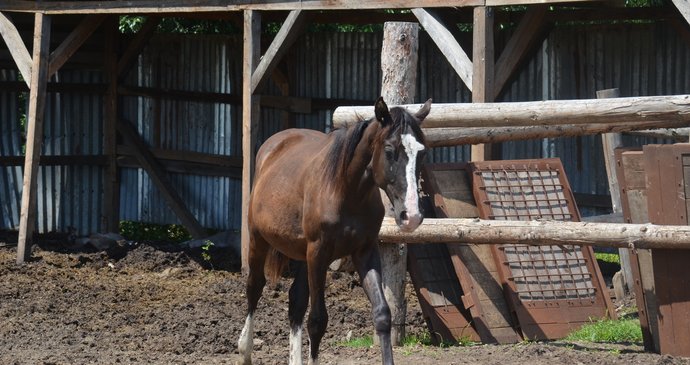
{"x":74,"y":40}
{"x":34,"y":135}
{"x":184,"y":6}
{"x":447,"y":44}
{"x":110,"y":212}
{"x":483,"y":69}
{"x":632,"y":178}
{"x":528,"y":35}
{"x":683,"y":7}
{"x":549,"y":112}
{"x":439,"y":293}
{"x":473,"y":264}
{"x":250,"y":118}
{"x":667,"y":204}
{"x":291,"y":29}
{"x":63,"y":160}
{"x":609,"y":142}
{"x":221,"y":161}
{"x":160,"y":179}
{"x":443,"y":137}
{"x":16,"y":46}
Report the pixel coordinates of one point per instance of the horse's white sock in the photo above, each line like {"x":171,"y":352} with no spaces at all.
{"x":296,"y":345}
{"x":246,"y":341}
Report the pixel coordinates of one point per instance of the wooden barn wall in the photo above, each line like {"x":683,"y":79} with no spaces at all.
{"x":572,"y":63}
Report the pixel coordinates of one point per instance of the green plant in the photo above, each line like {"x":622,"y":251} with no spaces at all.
{"x":607,"y":257}
{"x":141,"y":231}
{"x":205,"y":251}
{"x":607,"y":330}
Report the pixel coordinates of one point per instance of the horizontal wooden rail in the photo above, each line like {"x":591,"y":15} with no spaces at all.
{"x":479,"y":231}
{"x":541,"y":113}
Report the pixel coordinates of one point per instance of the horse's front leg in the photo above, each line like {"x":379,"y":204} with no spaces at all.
{"x":318,"y":259}
{"x":368,"y":264}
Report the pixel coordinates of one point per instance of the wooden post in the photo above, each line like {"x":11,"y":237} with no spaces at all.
{"x":399,"y":73}
{"x":110,"y":214}
{"x":483,"y":65}
{"x":609,"y":142}
{"x":34,"y":135}
{"x":250,"y":118}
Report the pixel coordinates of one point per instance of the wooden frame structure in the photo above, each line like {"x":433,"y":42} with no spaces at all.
{"x":481,"y":74}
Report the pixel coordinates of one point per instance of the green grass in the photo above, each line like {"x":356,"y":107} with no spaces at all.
{"x":358,"y":342}
{"x":606,"y":330}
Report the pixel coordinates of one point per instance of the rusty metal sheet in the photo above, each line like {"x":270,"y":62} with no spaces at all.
{"x":668,"y":170}
{"x":553,"y":289}
{"x":474,"y":264}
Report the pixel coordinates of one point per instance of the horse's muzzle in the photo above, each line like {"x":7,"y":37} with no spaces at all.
{"x":409,"y":223}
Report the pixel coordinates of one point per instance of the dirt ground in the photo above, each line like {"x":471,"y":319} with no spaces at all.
{"x":156,"y":304}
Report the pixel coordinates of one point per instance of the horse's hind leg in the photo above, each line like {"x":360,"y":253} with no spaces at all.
{"x":256,"y":280}
{"x":368,"y":264}
{"x":299,"y":299}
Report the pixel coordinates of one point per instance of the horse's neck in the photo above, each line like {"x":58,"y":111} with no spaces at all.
{"x":359,"y":179}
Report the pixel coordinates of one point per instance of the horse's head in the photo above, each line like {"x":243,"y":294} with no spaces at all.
{"x":397,"y":160}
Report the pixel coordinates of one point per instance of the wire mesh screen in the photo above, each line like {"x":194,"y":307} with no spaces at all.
{"x":530,"y":191}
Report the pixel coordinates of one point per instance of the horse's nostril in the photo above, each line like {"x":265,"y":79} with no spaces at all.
{"x":403,"y":215}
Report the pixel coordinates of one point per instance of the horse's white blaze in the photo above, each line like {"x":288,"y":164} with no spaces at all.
{"x":296,"y":345}
{"x":246,"y":341}
{"x":412,"y":148}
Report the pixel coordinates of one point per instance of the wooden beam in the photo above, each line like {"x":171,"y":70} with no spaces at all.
{"x":481,"y":232}
{"x":250,"y":118}
{"x":535,"y":113}
{"x":445,"y":137}
{"x":398,"y":86}
{"x":683,"y":7}
{"x":34,"y":135}
{"x":16,"y":46}
{"x":447,"y":44}
{"x":157,"y":174}
{"x":185,"y":6}
{"x":483,"y":69}
{"x":292,"y":27}
{"x":73,"y":41}
{"x":523,"y":42}
{"x":137,"y":44}
{"x":110,"y":212}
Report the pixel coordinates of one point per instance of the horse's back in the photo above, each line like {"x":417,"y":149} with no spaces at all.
{"x":288,"y":144}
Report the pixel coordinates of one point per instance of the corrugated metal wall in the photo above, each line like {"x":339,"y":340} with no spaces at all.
{"x":573,"y":63}
{"x":10,"y":145}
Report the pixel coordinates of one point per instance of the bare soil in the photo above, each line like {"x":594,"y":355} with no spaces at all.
{"x":157,"y":304}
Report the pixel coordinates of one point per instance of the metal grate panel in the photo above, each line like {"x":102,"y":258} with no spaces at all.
{"x":553,"y":288}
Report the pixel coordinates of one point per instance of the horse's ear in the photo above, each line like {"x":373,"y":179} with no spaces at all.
{"x":381,"y":111}
{"x":423,"y":111}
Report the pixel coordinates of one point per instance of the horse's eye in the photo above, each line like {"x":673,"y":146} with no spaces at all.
{"x":390,"y":153}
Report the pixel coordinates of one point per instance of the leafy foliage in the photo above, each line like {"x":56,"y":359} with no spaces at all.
{"x":139,"y":231}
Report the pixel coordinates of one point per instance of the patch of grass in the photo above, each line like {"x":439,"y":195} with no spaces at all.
{"x":607,"y":330}
{"x":359,"y":342}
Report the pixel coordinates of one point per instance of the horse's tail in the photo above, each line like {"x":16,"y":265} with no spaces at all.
{"x":275,"y":265}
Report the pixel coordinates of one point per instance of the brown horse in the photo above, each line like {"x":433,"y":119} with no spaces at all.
{"x":315,"y":199}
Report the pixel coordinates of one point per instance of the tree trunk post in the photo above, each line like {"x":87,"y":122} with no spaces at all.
{"x":399,"y":70}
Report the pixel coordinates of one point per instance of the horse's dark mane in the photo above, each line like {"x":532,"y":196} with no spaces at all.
{"x":345,"y":140}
